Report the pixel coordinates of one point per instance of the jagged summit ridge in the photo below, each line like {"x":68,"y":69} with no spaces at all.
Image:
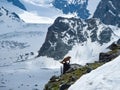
{"x":67,"y":32}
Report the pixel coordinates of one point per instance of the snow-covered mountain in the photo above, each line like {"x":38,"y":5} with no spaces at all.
{"x":19,"y":43}
{"x":46,"y":11}
{"x":17,"y":37}
{"x":35,"y":13}
{"x":106,"y":77}
{"x":9,"y":21}
{"x":72,"y":36}
{"x":108,"y":11}
{"x":80,"y":35}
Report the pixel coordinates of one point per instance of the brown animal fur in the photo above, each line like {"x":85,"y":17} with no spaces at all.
{"x":66,"y":59}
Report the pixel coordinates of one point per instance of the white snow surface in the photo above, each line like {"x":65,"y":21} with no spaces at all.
{"x":42,"y":11}
{"x":19,"y":43}
{"x":28,"y":75}
{"x":106,"y":77}
{"x":92,"y":6}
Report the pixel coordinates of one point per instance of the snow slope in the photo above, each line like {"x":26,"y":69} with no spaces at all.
{"x":18,"y":38}
{"x":19,"y":43}
{"x":16,"y":61}
{"x":31,"y":75}
{"x":106,"y":77}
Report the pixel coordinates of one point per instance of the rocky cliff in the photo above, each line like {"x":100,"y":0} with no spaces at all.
{"x":73,"y":6}
{"x":66,"y":32}
{"x":108,"y":11}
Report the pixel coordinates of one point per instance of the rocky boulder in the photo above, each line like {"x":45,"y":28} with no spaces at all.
{"x":113,"y":53}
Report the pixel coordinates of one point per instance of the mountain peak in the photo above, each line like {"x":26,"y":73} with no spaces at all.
{"x":108,"y":11}
{"x":73,"y":6}
{"x":65,"y":33}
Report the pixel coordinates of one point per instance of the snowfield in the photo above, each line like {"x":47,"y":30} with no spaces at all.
{"x":19,"y":69}
{"x":23,"y":79}
{"x":31,"y":75}
{"x":106,"y":77}
{"x":19,"y":43}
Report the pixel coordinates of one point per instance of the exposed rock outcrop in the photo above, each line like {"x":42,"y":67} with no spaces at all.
{"x":113,"y":53}
{"x":108,"y":11}
{"x":73,"y":6}
{"x":66,"y":32}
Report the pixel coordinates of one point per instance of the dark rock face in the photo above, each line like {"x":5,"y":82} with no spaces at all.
{"x":1,"y":14}
{"x":106,"y":34}
{"x":76,"y":6}
{"x":18,"y":4}
{"x":66,"y":32}
{"x":105,"y":57}
{"x":113,"y":53}
{"x":113,"y":46}
{"x":73,"y":67}
{"x":108,"y":11}
{"x":118,"y":42}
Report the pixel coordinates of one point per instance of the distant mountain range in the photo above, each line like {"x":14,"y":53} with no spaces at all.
{"x":73,"y":36}
{"x":51,"y":9}
{"x":18,"y":4}
{"x":108,"y":11}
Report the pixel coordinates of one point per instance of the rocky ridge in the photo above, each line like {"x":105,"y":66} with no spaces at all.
{"x":108,"y":11}
{"x":66,"y":32}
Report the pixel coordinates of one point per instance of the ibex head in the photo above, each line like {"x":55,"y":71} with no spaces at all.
{"x":66,"y":59}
